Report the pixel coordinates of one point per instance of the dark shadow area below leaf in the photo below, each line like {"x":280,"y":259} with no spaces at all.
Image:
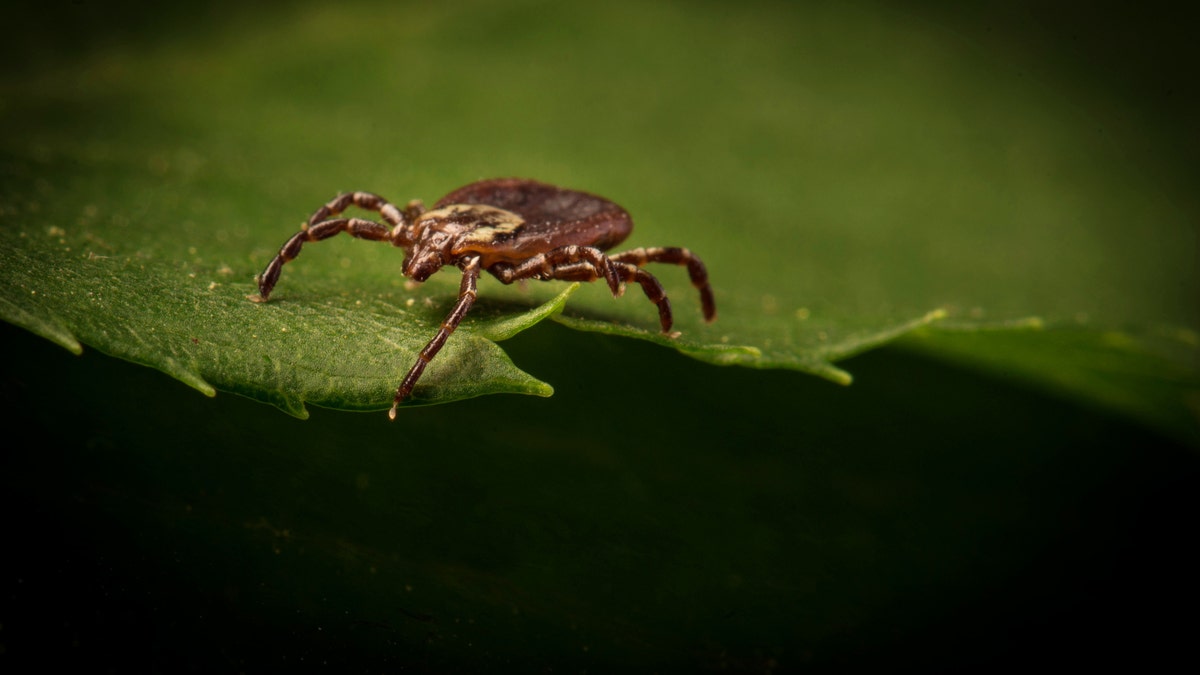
{"x":656,"y":513}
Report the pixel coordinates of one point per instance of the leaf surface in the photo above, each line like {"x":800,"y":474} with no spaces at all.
{"x":842,"y":194}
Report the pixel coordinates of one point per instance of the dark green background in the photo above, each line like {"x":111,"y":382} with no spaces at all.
{"x":657,"y":512}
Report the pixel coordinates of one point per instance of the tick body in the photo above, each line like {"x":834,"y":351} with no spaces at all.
{"x":513,"y":229}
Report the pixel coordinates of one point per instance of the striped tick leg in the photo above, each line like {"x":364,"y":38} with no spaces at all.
{"x":675,"y":256}
{"x":466,"y":298}
{"x":545,"y":265}
{"x":627,"y":272}
{"x":654,"y":292}
{"x":368,"y":202}
{"x":320,"y":226}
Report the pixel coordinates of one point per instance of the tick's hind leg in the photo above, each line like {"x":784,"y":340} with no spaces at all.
{"x":675,"y":256}
{"x":546,"y":266}
{"x":626,"y":272}
{"x":653,"y":290}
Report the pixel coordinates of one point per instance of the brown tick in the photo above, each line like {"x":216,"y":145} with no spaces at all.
{"x":513,"y":228}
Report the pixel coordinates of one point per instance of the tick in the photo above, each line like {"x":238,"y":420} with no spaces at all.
{"x":514,"y":229}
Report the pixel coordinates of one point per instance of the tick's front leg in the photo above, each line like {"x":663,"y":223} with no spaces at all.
{"x":356,"y":227}
{"x":369,"y":202}
{"x":466,"y":298}
{"x":322,"y":225}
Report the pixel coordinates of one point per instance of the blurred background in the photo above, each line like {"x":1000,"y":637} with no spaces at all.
{"x":859,"y":164}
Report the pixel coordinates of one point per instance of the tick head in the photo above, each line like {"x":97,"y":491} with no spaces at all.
{"x":427,"y":255}
{"x":420,"y":265}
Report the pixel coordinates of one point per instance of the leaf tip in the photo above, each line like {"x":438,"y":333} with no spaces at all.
{"x":295,"y":408}
{"x":187,"y":376}
{"x":48,"y":327}
{"x":834,"y":374}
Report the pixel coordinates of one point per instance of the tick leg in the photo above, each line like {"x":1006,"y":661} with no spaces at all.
{"x":627,"y":272}
{"x":356,"y":227}
{"x":653,"y":290}
{"x":543,"y":266}
{"x":369,"y":202}
{"x":466,"y":298}
{"x":676,"y":256}
{"x":320,"y":226}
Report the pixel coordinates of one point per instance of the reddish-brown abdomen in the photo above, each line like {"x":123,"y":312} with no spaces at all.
{"x":553,"y":216}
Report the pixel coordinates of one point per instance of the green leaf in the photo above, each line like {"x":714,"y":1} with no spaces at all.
{"x":1004,"y":193}
{"x":336,"y":350}
{"x":843,"y":193}
{"x":1148,"y":374}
